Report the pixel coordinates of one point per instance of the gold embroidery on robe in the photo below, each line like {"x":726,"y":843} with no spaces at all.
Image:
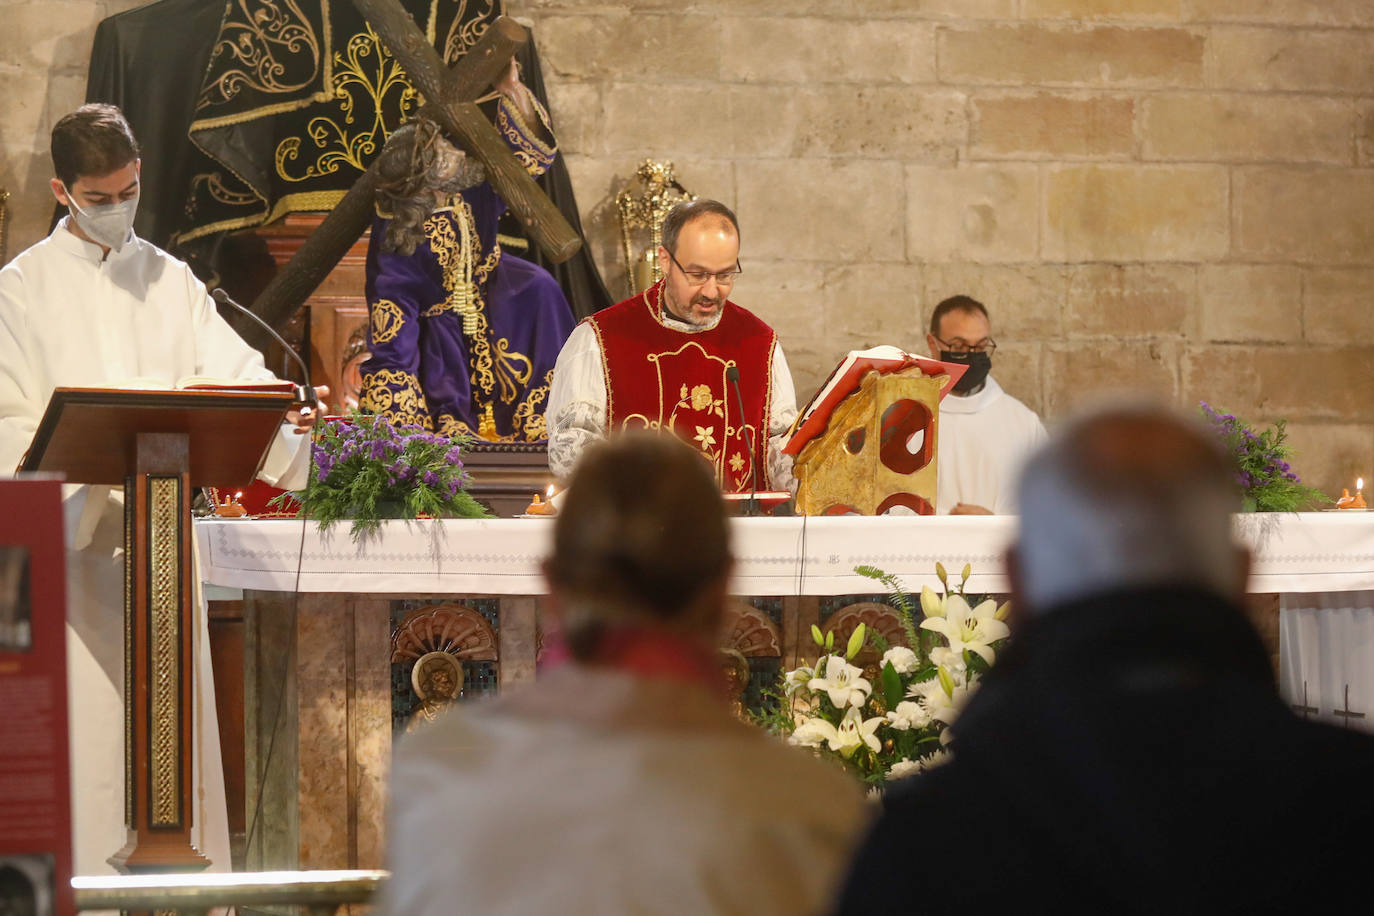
{"x":396,"y":395}
{"x":387,"y":321}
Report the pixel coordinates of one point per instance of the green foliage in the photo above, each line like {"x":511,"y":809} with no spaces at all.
{"x":1266,"y":479}
{"x":365,"y":468}
{"x":898,"y":597}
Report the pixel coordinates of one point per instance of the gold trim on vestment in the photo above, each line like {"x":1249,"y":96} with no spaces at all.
{"x":164,"y":592}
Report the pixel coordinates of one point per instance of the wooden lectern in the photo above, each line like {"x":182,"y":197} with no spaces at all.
{"x":158,"y":445}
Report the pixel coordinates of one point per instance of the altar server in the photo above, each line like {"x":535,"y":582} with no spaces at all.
{"x":985,"y":433}
{"x":1130,"y":753}
{"x":93,"y":305}
{"x":619,"y":781}
{"x":662,"y":360}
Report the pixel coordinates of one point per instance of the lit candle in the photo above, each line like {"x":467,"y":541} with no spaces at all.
{"x":1358,"y":502}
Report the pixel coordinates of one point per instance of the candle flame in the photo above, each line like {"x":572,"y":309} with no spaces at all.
{"x":1359,"y":483}
{"x":238,"y":495}
{"x":548,"y":491}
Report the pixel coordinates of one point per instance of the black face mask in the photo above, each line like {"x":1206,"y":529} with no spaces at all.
{"x":979,"y":365}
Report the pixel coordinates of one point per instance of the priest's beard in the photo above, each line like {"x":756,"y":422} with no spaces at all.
{"x":692,"y":314}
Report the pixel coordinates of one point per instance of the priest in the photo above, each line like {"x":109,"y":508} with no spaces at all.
{"x":985,"y":433}
{"x":682,"y":358}
{"x":93,"y":305}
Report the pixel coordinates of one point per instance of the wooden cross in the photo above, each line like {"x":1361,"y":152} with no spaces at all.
{"x":1303,"y":707}
{"x":450,"y":95}
{"x":1345,"y":714}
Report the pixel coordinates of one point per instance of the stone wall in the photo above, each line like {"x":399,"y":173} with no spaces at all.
{"x":1170,"y":195}
{"x":1174,"y":195}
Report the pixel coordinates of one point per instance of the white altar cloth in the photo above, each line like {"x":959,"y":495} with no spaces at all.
{"x":1303,"y":552}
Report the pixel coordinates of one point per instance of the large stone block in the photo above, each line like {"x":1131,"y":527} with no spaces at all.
{"x":881,"y":301}
{"x":1242,"y":302}
{"x":1024,"y":301}
{"x":1364,"y":140}
{"x":1127,"y":10}
{"x":972,"y":213}
{"x":1337,"y":306}
{"x":54,"y":35}
{"x":821,"y":209}
{"x":1019,"y":368}
{"x":1136,"y":213}
{"x":1045,"y":125}
{"x":1058,"y":55}
{"x":1116,"y":300}
{"x":579,"y":117}
{"x":1246,"y":128}
{"x":1331,"y":456}
{"x":650,"y":45}
{"x":859,"y":10}
{"x":787,"y":295}
{"x":775,"y":49}
{"x":1081,"y":372}
{"x":1283,"y":12}
{"x":1224,"y":376}
{"x":1309,"y":216}
{"x":1317,"y":382}
{"x":691,"y":121}
{"x":881,"y":122}
{"x":1337,"y":62}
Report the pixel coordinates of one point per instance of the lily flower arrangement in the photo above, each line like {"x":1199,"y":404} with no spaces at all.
{"x":366,"y":468}
{"x":889,"y":718}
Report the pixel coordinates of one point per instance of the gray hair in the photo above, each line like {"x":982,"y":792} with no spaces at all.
{"x":1129,"y":495}
{"x":689,"y":210}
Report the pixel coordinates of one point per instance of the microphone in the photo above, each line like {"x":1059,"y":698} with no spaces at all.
{"x":751,"y":506}
{"x":306,"y":392}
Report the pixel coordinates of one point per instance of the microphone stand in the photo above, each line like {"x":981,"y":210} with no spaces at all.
{"x":306,"y":392}
{"x":751,"y":506}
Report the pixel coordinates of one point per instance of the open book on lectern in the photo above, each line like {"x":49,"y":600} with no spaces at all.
{"x":848,"y":375}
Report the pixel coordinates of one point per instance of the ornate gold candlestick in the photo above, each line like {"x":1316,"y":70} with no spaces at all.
{"x":645,"y":208}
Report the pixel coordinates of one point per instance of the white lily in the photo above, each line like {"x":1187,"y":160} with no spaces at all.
{"x":797,"y":679}
{"x":903,"y":659}
{"x":908,"y":715}
{"x":843,"y":683}
{"x":812,"y":733}
{"x":931,"y":605}
{"x":969,"y":628}
{"x":903,"y":768}
{"x":854,"y":732}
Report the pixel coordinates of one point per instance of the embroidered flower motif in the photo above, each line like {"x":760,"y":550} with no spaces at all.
{"x":683,"y":393}
{"x":737,"y":462}
{"x":701,"y":397}
{"x":706,"y":437}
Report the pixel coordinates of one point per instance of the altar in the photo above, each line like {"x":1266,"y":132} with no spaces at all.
{"x":332,"y":630}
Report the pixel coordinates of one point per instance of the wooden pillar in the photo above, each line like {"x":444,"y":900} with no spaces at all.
{"x":158,"y":659}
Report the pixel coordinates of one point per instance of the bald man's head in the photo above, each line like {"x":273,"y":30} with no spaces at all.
{"x":1128,"y":496}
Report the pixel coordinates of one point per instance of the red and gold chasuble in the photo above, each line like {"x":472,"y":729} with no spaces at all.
{"x":658,"y":377}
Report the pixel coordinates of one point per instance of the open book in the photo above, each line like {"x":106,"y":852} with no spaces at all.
{"x":847,"y":377}
{"x":206,"y":383}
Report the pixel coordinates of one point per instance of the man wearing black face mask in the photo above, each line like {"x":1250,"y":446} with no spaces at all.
{"x":984,"y":432}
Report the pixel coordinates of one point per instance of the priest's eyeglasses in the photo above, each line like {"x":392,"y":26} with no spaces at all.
{"x":988,"y":346}
{"x":699,"y":277}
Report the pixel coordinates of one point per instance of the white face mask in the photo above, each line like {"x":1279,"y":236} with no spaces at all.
{"x":107,"y":224}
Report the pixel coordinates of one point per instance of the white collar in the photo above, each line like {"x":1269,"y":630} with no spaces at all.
{"x":984,"y":399}
{"x":68,"y":241}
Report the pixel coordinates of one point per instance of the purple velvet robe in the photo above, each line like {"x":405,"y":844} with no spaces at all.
{"x":462,"y":335}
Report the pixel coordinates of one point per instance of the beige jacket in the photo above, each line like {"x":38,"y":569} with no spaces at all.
{"x":592,"y":791}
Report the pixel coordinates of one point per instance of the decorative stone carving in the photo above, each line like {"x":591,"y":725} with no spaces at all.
{"x":880,"y":617}
{"x":453,"y":628}
{"x":750,"y":632}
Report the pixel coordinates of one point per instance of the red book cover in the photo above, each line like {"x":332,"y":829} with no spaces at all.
{"x":35,"y":791}
{"x":847,"y":377}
